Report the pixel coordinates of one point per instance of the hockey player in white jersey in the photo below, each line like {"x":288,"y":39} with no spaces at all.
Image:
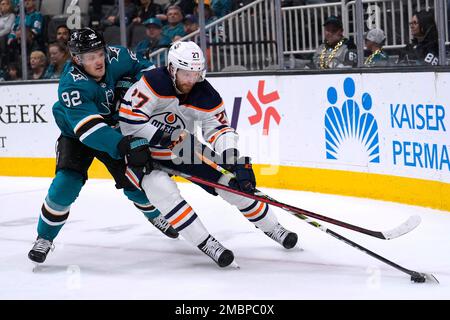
{"x":167,"y":101}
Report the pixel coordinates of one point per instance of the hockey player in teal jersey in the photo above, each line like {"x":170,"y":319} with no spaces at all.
{"x":86,"y":115}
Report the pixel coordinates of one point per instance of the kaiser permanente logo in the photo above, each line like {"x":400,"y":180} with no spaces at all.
{"x":427,"y":145}
{"x":351,"y":132}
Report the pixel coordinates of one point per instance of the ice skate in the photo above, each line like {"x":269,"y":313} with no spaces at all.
{"x":221,"y":255}
{"x":162,"y":225}
{"x":283,"y":236}
{"x":40,"y":250}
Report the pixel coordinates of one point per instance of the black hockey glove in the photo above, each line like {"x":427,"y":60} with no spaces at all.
{"x":166,"y":139}
{"x":242,"y":169}
{"x":136,"y":152}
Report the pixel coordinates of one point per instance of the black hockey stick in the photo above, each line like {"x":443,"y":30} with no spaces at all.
{"x":415,"y":276}
{"x":400,"y":230}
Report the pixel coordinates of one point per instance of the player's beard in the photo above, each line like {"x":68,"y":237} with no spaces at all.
{"x":185,"y":87}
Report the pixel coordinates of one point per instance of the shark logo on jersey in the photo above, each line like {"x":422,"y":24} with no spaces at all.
{"x":132,"y":54}
{"x":108,"y":104}
{"x":113,"y":54}
{"x":167,"y":121}
{"x":351,"y":132}
{"x":77,"y":75}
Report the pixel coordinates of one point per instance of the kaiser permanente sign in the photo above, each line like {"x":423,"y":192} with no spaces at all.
{"x":384,"y":136}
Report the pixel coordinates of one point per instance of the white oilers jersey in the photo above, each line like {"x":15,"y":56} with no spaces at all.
{"x":152,"y":104}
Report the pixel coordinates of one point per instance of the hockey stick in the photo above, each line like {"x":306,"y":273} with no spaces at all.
{"x":415,"y":276}
{"x":400,"y":230}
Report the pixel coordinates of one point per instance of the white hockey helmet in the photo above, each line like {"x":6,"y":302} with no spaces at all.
{"x":186,"y":55}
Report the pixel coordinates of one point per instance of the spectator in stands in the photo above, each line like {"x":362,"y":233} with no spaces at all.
{"x":148,"y":9}
{"x":59,"y":59}
{"x":62,"y":34}
{"x":154,"y":41}
{"x":33,"y":24}
{"x":337,"y":51}
{"x":187,"y":6}
{"x":15,"y":4}
{"x":111,"y":18}
{"x":190,"y":23}
{"x":221,"y":7}
{"x":97,"y":9}
{"x":7,"y":18}
{"x":374,"y":43}
{"x":210,"y":17}
{"x":13,"y":72}
{"x":424,"y":47}
{"x":174,"y":25}
{"x":38,"y":64}
{"x":209,"y":13}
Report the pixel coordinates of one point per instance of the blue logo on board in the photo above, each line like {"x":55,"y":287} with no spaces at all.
{"x":351,"y":132}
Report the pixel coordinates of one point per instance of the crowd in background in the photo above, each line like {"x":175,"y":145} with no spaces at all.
{"x":168,"y":22}
{"x":164,"y":23}
{"x":337,"y":51}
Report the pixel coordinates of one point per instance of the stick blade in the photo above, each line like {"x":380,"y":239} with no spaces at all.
{"x":404,"y":228}
{"x":421,"y":277}
{"x":430,"y":278}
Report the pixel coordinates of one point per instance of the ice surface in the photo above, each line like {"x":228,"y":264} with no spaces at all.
{"x":107,"y":250}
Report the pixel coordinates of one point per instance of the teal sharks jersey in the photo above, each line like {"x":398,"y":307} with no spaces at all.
{"x":85,"y":109}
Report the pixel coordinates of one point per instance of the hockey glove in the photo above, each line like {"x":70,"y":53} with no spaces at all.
{"x":242,"y":168}
{"x":136,"y":152}
{"x":166,"y":139}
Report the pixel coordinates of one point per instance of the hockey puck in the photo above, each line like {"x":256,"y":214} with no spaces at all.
{"x":418,"y":278}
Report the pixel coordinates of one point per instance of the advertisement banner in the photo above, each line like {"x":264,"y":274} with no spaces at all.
{"x":388,"y":124}
{"x":351,"y":134}
{"x":27,"y":127}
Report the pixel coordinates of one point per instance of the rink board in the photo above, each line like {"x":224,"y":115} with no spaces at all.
{"x":382,"y":136}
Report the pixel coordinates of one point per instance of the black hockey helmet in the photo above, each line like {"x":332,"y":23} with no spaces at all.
{"x":85,"y":40}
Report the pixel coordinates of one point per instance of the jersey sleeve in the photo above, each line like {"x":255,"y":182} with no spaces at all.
{"x":214,"y":122}
{"x":430,"y":55}
{"x":84,"y":119}
{"x":217,"y":131}
{"x":135,"y":67}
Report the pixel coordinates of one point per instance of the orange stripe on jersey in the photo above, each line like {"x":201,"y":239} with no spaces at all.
{"x":162,"y":154}
{"x":131,"y":113}
{"x":154,"y":92}
{"x":90,"y":118}
{"x":132,"y":178}
{"x":256,"y":212}
{"x":201,"y":109}
{"x":181,"y":216}
{"x":218,"y":133}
